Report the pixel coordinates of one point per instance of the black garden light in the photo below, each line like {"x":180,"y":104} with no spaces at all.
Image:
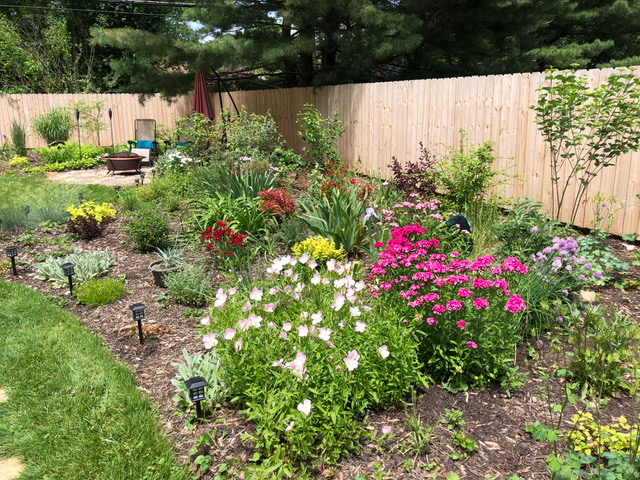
{"x":153,"y":172}
{"x":117,"y":189}
{"x":137,"y":180}
{"x":26,"y":209}
{"x":81,"y":197}
{"x":69,"y":269}
{"x":142,"y":178}
{"x":12,"y":253}
{"x":78,"y":120}
{"x":138,"y":315}
{"x":196,"y":387}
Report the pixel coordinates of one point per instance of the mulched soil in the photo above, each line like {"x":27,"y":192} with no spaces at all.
{"x":495,"y":419}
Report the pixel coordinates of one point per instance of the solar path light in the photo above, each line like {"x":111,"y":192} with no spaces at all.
{"x":138,"y":315}
{"x":196,"y":387}
{"x":69,"y":269}
{"x":12,"y":253}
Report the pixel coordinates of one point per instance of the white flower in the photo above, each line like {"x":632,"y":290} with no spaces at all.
{"x":210,"y":340}
{"x":303,"y":331}
{"x":305,"y":407}
{"x":383,"y":351}
{"x":325,"y":334}
{"x":360,"y":326}
{"x":316,"y":317}
{"x":256,"y":294}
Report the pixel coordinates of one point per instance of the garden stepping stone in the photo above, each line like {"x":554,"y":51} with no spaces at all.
{"x":10,"y":468}
{"x":588,"y":296}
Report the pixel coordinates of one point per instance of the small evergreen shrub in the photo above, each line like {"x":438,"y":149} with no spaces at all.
{"x":100,"y":291}
{"x":148,"y":229}
{"x":190,"y":286}
{"x":19,"y":139}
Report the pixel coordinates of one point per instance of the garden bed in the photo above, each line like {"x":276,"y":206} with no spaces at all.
{"x":493,"y":418}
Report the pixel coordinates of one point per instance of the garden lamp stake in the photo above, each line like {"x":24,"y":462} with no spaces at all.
{"x":111,"y":128}
{"x":12,"y":253}
{"x":78,"y":120}
{"x":196,"y":393}
{"x":138,"y":315}
{"x":69,"y":269}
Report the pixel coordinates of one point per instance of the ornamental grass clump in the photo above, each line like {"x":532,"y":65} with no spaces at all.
{"x":89,"y":219}
{"x":464,"y":313}
{"x":307,"y":353}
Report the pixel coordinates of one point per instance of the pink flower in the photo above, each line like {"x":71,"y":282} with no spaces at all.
{"x":515,"y":304}
{"x":472,"y":344}
{"x":315,"y":280}
{"x":360,"y":326}
{"x":386,"y":430}
{"x":256,"y":294}
{"x":304,"y":258}
{"x":438,"y":309}
{"x":238,"y":344}
{"x":269,"y":307}
{"x":378,"y":244}
{"x":454,"y":305}
{"x":431,"y":321}
{"x":383,"y":351}
{"x":290,"y":427}
{"x":463,"y":292}
{"x":210,"y":340}
{"x":247,"y":307}
{"x":480,"y":303}
{"x":229,"y":333}
{"x":286,"y":326}
{"x":461,"y":324}
{"x":205,"y":321}
{"x":303,"y":331}
{"x":355,"y":311}
{"x":305,"y":407}
{"x":220,"y":300}
{"x":325,"y":334}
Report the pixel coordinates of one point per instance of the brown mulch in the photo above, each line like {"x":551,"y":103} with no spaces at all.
{"x":494,"y":418}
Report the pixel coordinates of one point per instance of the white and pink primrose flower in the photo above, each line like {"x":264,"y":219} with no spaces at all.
{"x":304,"y":258}
{"x":220,"y":300}
{"x":274,"y":290}
{"x":268,"y":307}
{"x":290,"y":426}
{"x":312,"y":264}
{"x":247,"y":307}
{"x":324,"y":334}
{"x":355,"y":311}
{"x":229,"y":333}
{"x":315,"y":280}
{"x":209,"y":340}
{"x":326,"y":281}
{"x":331,"y":264}
{"x":360,"y":327}
{"x":338,"y":302}
{"x":383,"y":351}
{"x":316,"y":318}
{"x":305,"y":407}
{"x":351,"y":360}
{"x":238,"y":345}
{"x":286,"y":326}
{"x":256,"y":294}
{"x":205,"y":321}
{"x":303,"y":331}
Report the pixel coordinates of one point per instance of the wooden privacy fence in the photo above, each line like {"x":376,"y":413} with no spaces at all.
{"x":383,"y":120}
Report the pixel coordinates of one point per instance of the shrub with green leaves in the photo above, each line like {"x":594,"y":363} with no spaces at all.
{"x":189,"y":286}
{"x":306,"y":354}
{"x":148,"y":228}
{"x":87,"y":266}
{"x":100,"y":291}
{"x":19,"y":139}
{"x":54,"y":126}
{"x":70,"y":152}
{"x":320,"y":135}
{"x":465,"y":174}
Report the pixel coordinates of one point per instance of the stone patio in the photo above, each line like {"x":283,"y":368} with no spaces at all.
{"x":98,"y":176}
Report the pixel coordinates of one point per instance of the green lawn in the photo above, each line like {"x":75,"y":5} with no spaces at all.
{"x":73,"y":411}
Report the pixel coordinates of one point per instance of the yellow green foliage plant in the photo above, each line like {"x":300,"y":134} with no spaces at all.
{"x":590,"y":438}
{"x":19,"y":162}
{"x":318,"y":248}
{"x":89,"y":219}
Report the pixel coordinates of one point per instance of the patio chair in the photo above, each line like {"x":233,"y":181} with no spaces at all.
{"x":145,"y":140}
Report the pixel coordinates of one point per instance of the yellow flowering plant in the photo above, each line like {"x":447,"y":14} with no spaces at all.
{"x":319,"y":248}
{"x":89,"y":219}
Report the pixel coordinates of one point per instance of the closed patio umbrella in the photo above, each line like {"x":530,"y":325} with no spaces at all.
{"x":202,"y":100}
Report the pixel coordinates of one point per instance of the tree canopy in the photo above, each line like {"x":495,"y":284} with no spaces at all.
{"x":288,"y":43}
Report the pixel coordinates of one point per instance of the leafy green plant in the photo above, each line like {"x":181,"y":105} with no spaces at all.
{"x":205,"y":365}
{"x":339,"y":218}
{"x":586,"y":129}
{"x":319,"y":249}
{"x":466,"y":443}
{"x":452,"y":419}
{"x":320,"y":134}
{"x":19,"y":139}
{"x":465,"y":174}
{"x":149,"y":228}
{"x":189,"y":286}
{"x":53,"y":126}
{"x":19,"y":162}
{"x":100,"y":291}
{"x":87,"y":266}
{"x":198,"y":133}
{"x":603,"y":346}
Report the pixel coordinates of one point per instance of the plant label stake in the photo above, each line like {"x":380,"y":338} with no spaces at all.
{"x":138,"y":315}
{"x":12,"y":253}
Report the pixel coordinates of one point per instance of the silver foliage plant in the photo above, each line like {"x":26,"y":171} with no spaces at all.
{"x":87,"y":266}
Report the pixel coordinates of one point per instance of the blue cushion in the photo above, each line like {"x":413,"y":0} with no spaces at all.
{"x":144,"y":144}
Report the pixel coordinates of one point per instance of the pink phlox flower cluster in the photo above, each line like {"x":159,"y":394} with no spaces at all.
{"x":453,"y":279}
{"x":512,"y":264}
{"x":461,"y":324}
{"x":454,"y":305}
{"x":481,"y":263}
{"x":464,"y":293}
{"x":480,"y":303}
{"x":515,"y":303}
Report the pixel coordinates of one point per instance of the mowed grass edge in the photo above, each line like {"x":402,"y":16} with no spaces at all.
{"x":73,"y":411}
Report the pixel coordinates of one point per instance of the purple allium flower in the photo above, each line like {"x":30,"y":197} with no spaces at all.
{"x":534,"y":230}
